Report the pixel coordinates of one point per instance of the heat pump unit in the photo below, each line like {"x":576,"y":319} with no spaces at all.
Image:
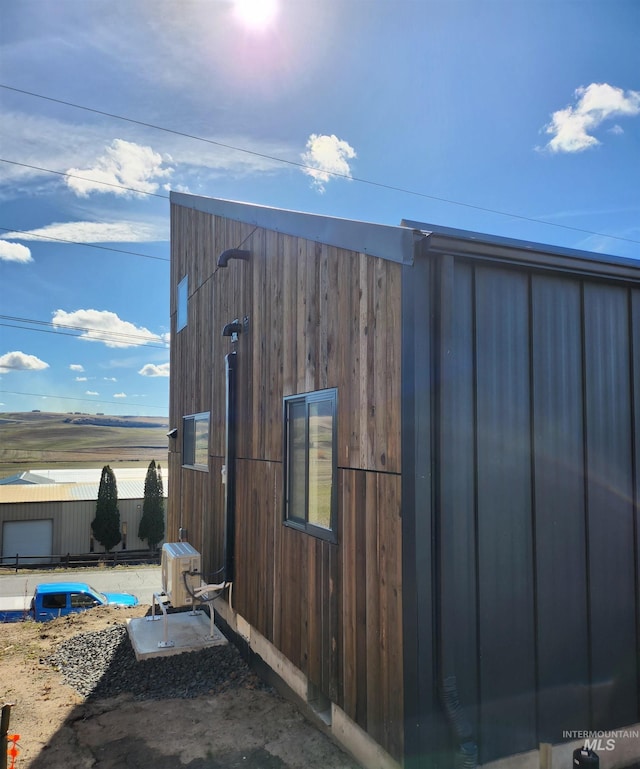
{"x":180,"y":572}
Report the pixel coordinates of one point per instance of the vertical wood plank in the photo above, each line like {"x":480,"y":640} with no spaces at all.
{"x":375,"y":714}
{"x":289,"y":321}
{"x":362,"y":504}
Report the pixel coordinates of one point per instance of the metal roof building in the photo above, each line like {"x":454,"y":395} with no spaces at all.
{"x":49,"y":512}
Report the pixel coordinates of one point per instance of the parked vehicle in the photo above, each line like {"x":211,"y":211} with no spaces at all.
{"x":57,"y":599}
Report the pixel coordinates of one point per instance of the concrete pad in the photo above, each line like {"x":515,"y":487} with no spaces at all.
{"x":184,"y":632}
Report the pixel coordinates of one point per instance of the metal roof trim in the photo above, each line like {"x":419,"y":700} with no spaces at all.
{"x":480,"y":245}
{"x":392,"y":242}
{"x":67,"y":492}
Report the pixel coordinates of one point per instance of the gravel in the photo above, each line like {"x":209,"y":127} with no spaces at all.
{"x":102,"y":664}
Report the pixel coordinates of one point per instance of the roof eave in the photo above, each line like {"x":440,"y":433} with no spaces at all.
{"x":489,"y":247}
{"x":395,"y":243}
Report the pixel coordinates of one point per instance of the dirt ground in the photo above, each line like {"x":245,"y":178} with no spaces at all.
{"x":247,"y":727}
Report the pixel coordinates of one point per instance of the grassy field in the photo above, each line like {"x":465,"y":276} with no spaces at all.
{"x":43,"y":439}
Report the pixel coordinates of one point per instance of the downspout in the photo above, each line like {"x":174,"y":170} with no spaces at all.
{"x":230,"y":468}
{"x":231,"y":330}
{"x":467,"y":749}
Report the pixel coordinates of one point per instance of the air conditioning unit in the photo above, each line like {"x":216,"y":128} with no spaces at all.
{"x":179,"y":560}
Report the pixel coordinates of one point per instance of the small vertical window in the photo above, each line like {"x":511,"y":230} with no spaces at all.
{"x":195,"y":441}
{"x":310,"y":463}
{"x":183,"y":302}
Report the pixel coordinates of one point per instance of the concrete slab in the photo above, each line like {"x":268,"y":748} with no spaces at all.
{"x":184,"y":632}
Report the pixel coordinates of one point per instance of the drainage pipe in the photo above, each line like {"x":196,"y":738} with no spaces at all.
{"x":230,"y":468}
{"x":467,"y":752}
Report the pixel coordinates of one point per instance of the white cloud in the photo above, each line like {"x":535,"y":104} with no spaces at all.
{"x":81,"y":379}
{"x":119,"y":395}
{"x":150,"y":369}
{"x":176,"y":188}
{"x":91,"y":392}
{"x":104,"y":326}
{"x":110,"y":379}
{"x":35,"y":139}
{"x":14,"y":252}
{"x":76,"y":367}
{"x":327,"y":155}
{"x":124,"y":163}
{"x":97,"y":232}
{"x":20,"y":361}
{"x":572,"y":127}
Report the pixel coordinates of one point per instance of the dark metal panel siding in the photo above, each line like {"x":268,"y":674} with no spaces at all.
{"x":531,"y":586}
{"x":456,"y":485}
{"x":505,"y":554}
{"x":635,"y":396}
{"x":425,"y":733}
{"x":563,"y":664}
{"x":609,"y":506}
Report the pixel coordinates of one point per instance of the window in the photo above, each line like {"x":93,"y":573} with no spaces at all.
{"x":54,"y":601}
{"x":195,"y":441}
{"x":83,"y":600}
{"x":310,"y":463}
{"x":182,"y":303}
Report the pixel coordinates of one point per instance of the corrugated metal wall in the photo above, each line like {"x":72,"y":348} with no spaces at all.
{"x":535,"y":390}
{"x":72,"y":522}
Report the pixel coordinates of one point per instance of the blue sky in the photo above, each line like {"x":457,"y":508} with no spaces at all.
{"x":471,"y":110}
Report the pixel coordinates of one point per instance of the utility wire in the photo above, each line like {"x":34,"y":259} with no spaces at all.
{"x":85,"y":179}
{"x":120,"y":334}
{"x":104,"y":337}
{"x":71,"y":398}
{"x":297,"y":164}
{"x":352,"y":178}
{"x":80,"y":243}
{"x":131,"y":340}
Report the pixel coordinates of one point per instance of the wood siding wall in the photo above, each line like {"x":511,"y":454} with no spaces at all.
{"x":318,"y":317}
{"x":537,"y":412}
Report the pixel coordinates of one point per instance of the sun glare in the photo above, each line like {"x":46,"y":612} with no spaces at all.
{"x":256,"y":14}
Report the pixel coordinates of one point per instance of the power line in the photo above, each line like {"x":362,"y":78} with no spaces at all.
{"x":85,"y":179}
{"x":352,"y":178}
{"x":155,"y":127}
{"x":296,"y":164}
{"x":104,"y":337}
{"x":80,"y":243}
{"x":119,"y":334}
{"x":131,"y":340}
{"x":71,"y":398}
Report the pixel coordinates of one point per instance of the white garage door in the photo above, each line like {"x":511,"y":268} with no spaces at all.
{"x":27,"y":538}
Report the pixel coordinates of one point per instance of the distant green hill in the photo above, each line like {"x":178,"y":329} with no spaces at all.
{"x":40,"y":438}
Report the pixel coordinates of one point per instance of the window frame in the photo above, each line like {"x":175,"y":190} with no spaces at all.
{"x":189,"y":455}
{"x":182,"y":304}
{"x":290,"y":518}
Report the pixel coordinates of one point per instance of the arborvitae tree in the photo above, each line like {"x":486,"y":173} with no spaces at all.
{"x":106,"y":524}
{"x":152,"y":522}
